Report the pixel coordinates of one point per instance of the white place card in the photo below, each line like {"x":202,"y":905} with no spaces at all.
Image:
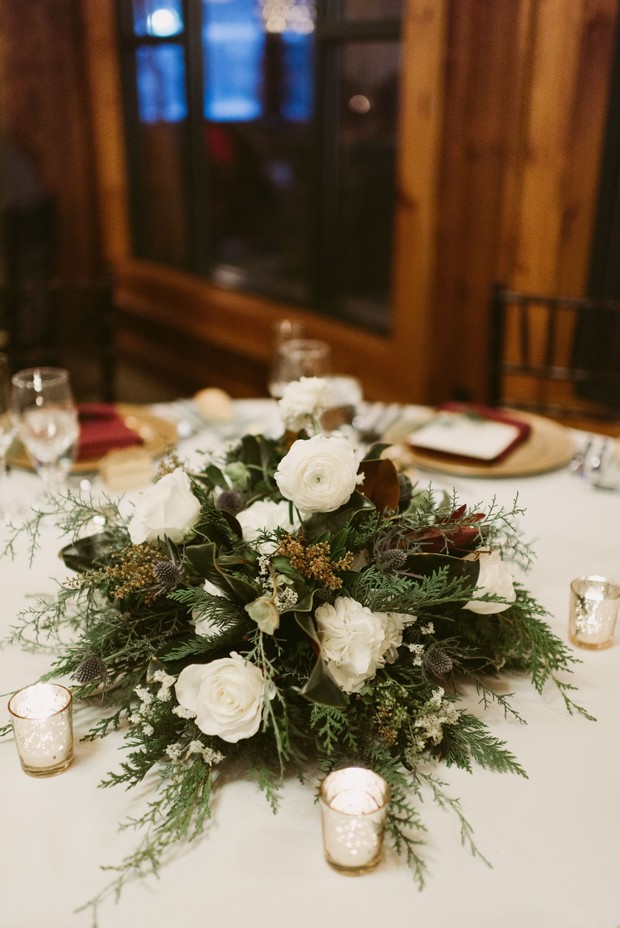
{"x":465,"y":435}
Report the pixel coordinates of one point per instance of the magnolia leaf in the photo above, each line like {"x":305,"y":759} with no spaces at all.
{"x":321,"y":688}
{"x":90,"y":552}
{"x":307,"y":625}
{"x":423,"y":565}
{"x":376,"y":450}
{"x":211,"y":475}
{"x":203,"y":560}
{"x":328,"y":523}
{"x":380,"y":484}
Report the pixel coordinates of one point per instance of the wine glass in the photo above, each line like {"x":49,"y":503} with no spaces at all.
{"x":7,"y":434}
{"x":45,"y":416}
{"x":295,"y":358}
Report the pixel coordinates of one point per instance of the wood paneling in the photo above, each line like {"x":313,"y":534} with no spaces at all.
{"x":526,"y":91}
{"x":502,"y":113}
{"x":47,"y":115}
{"x":484,"y":88}
{"x":417,"y":198}
{"x":105,"y":103}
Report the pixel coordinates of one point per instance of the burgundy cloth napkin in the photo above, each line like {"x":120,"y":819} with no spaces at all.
{"x":102,"y":429}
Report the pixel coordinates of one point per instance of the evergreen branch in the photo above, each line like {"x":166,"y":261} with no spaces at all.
{"x":470,"y":740}
{"x":450,"y":804}
{"x":180,"y":813}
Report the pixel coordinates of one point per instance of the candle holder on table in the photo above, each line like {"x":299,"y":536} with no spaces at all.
{"x":593,"y":611}
{"x":41,"y":715}
{"x":354,"y":805}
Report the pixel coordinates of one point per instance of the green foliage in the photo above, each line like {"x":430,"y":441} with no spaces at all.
{"x":135,"y":608}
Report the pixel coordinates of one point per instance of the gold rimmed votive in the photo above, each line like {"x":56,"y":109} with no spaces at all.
{"x":593,"y":611}
{"x":41,"y":715}
{"x":354,"y":804}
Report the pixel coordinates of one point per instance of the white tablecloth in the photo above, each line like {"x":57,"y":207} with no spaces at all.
{"x":552,"y":839}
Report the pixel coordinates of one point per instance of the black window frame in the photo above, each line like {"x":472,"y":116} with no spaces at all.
{"x":332,"y":33}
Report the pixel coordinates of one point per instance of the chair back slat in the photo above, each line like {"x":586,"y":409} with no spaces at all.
{"x":555,"y":355}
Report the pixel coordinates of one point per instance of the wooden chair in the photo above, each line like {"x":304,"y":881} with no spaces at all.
{"x":63,"y":323}
{"x":556,"y":356}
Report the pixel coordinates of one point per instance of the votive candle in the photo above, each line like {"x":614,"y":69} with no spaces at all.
{"x":41,"y":715}
{"x":593,"y":611}
{"x":354,"y":804}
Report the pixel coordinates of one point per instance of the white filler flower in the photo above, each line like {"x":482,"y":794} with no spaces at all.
{"x":227,"y":696}
{"x":318,"y":474}
{"x":494,"y":578}
{"x":168,"y":508}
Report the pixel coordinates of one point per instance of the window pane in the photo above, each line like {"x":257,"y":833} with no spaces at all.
{"x":367,"y":148}
{"x":161,"y":152}
{"x":160,"y":73}
{"x":371,"y":9}
{"x":157,"y":17}
{"x":258,"y":108}
{"x":234,"y":44}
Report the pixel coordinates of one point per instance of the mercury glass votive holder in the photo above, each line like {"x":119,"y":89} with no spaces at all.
{"x":354,"y":804}
{"x":41,"y":715}
{"x":593,"y":611}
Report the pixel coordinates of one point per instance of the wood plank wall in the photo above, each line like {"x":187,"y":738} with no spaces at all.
{"x":526,"y":95}
{"x":46,"y":114}
{"x":502,"y":122}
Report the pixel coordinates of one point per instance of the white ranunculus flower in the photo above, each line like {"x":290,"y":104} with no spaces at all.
{"x":494,"y":578}
{"x":227,"y":696}
{"x":168,"y":508}
{"x":303,"y":400}
{"x":318,"y":474}
{"x":204,"y":624}
{"x":356,"y":642}
{"x":265,"y":515}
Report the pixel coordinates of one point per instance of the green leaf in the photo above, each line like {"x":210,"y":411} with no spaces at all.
{"x":321,"y":688}
{"x":212,"y":475}
{"x":203,"y":560}
{"x":326,"y":523}
{"x":88,"y":553}
{"x":423,"y":565}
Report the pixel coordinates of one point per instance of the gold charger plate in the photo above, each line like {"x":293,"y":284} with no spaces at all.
{"x":549,"y":446}
{"x":158,"y":435}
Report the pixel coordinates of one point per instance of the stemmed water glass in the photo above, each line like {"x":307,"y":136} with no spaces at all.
{"x":45,"y":416}
{"x":295,"y":358}
{"x":7,"y":434}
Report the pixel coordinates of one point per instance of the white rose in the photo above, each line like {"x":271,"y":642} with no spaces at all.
{"x":205,"y":626}
{"x":227,"y":696}
{"x":494,"y":578}
{"x":356,"y":642}
{"x":168,"y":508}
{"x":318,"y":474}
{"x":265,"y":515}
{"x":303,"y":400}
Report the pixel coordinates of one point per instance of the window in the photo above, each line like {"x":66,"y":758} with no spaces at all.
{"x":261,"y":145}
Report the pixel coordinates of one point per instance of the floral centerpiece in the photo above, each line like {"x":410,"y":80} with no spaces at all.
{"x":295,"y":604}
